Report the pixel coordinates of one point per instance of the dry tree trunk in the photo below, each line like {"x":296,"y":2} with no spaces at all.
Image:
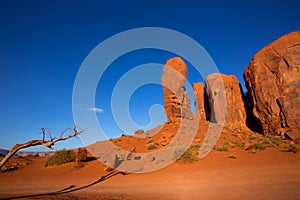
{"x":48,"y":143}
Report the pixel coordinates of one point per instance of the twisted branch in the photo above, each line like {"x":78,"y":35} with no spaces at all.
{"x":48,"y":143}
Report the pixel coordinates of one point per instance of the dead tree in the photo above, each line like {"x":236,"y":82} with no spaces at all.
{"x":48,"y":143}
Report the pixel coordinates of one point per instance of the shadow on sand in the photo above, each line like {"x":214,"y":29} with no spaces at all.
{"x":69,"y":189}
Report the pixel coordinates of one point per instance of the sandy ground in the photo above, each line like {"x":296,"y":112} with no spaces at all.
{"x":270,"y":174}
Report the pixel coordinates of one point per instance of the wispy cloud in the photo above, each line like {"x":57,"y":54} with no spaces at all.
{"x":97,"y":110}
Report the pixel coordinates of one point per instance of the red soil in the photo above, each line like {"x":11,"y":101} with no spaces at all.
{"x":269,"y":174}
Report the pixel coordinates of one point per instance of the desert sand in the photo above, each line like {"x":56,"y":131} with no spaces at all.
{"x":269,"y":174}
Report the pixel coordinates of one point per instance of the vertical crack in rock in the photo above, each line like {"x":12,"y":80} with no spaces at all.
{"x":275,"y":96}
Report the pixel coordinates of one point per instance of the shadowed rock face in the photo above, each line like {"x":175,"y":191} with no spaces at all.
{"x":200,"y":100}
{"x":226,"y":100}
{"x":176,"y":100}
{"x":273,"y":81}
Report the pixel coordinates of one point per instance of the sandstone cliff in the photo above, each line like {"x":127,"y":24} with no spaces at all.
{"x":200,"y":101}
{"x":273,"y":81}
{"x":176,"y":100}
{"x":226,"y":100}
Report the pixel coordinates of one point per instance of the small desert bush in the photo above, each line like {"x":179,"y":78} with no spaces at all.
{"x":222,"y":148}
{"x":152,"y":146}
{"x":234,"y":135}
{"x":195,"y":147}
{"x":233,"y":156}
{"x":295,"y":148}
{"x":149,"y":141}
{"x":108,"y":169}
{"x":226,"y":143}
{"x":260,"y":146}
{"x":276,"y":141}
{"x":271,"y":143}
{"x":264,"y":143}
{"x":273,"y":133}
{"x":252,"y":137}
{"x":239,"y":144}
{"x":60,"y":157}
{"x":184,"y":157}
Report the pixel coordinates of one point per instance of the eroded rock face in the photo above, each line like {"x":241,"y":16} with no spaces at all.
{"x":273,"y":81}
{"x":200,"y":100}
{"x":176,"y":100}
{"x":226,"y":100}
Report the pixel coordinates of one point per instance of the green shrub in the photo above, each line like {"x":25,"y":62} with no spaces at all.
{"x":60,"y":157}
{"x":152,"y":146}
{"x":292,"y":148}
{"x":195,"y":147}
{"x":252,"y":137}
{"x":233,"y":156}
{"x":108,"y":169}
{"x":178,"y":152}
{"x":226,"y":143}
{"x":295,"y":148}
{"x":234,"y":135}
{"x":265,"y":142}
{"x":187,"y":157}
{"x":149,"y":141}
{"x":222,"y":148}
{"x":239,"y":144}
{"x":273,"y":133}
{"x":260,"y":146}
{"x":276,"y":141}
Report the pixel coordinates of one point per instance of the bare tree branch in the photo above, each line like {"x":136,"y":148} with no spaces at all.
{"x":49,"y":133}
{"x":62,"y":133}
{"x":48,"y":143}
{"x":43,"y":132}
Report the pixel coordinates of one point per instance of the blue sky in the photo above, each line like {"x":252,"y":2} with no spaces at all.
{"x":43,"y":44}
